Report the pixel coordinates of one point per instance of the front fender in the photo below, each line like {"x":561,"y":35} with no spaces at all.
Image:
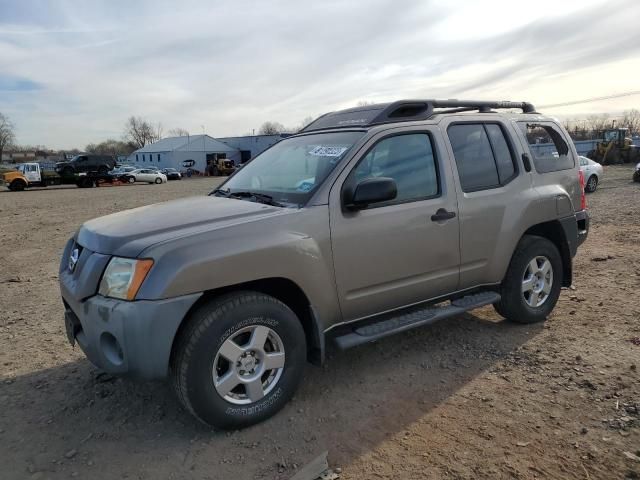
{"x":294,"y":247}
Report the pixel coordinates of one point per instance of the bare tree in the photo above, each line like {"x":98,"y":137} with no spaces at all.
{"x":271,"y":128}
{"x":598,"y":123}
{"x":178,"y":132}
{"x":631,"y":120}
{"x":141,"y":132}
{"x":7,"y":136}
{"x":363,"y":103}
{"x":111,"y":147}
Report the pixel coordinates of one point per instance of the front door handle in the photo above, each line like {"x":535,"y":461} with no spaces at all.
{"x":442,"y":215}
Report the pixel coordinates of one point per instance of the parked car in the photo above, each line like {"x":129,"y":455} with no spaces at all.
{"x":636,"y":173}
{"x":121,"y":172}
{"x":172,"y":173}
{"x":86,"y":163}
{"x":148,"y":175}
{"x":369,"y":222}
{"x":592,"y":172}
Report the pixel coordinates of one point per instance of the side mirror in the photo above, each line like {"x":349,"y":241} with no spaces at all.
{"x":371,"y":190}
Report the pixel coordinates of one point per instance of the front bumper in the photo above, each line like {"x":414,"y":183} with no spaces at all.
{"x":118,"y":336}
{"x":127,"y":337}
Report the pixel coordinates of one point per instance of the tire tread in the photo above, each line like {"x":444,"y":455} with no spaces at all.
{"x":200,"y":320}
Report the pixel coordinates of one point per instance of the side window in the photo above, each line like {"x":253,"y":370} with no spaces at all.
{"x":409,"y":160}
{"x":158,"y":158}
{"x":472,"y":151}
{"x":501,"y":153}
{"x":482,"y":154}
{"x":548,"y":148}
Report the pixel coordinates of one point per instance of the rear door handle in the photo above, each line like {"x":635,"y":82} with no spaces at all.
{"x":442,"y":215}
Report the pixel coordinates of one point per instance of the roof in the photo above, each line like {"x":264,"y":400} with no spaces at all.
{"x":407,"y":111}
{"x":190,"y":143}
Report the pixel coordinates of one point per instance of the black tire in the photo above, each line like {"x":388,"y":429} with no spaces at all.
{"x":158,"y":180}
{"x":198,"y":345}
{"x":131,"y":179}
{"x":636,"y":176}
{"x":591,"y":185}
{"x":103,"y":169}
{"x":513,"y":305}
{"x":17,"y":186}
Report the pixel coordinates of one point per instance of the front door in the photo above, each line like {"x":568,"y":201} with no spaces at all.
{"x":402,"y":251}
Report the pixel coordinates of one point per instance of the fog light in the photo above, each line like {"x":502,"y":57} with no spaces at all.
{"x":111,"y":348}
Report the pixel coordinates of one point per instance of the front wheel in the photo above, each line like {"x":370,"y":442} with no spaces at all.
{"x":592,"y":184}
{"x":239,"y":360}
{"x":531,"y":287}
{"x":17,"y":186}
{"x":158,"y":180}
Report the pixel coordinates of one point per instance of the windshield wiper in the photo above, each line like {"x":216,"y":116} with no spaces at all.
{"x":258,"y":197}
{"x":219,"y":192}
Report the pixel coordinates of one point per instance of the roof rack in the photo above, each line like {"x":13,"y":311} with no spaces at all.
{"x":407,"y":111}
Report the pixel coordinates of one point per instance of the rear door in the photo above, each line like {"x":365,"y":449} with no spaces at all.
{"x":493,"y":193}
{"x":393,"y":254}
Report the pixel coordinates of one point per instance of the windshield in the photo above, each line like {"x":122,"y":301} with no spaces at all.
{"x":292,"y":169}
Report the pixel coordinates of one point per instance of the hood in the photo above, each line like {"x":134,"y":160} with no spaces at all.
{"x":8,"y":176}
{"x":129,"y":232}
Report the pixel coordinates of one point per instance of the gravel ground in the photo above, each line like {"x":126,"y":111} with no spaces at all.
{"x":472,"y":397}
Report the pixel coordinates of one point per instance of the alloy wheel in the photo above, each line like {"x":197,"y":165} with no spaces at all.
{"x":537,"y":281}
{"x":248,"y":365}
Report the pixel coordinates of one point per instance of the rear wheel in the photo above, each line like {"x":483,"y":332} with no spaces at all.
{"x":239,"y":360}
{"x":531,"y":287}
{"x":592,"y":184}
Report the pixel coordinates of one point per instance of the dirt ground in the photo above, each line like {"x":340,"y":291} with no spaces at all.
{"x":468,"y":398}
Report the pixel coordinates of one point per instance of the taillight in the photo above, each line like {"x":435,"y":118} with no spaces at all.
{"x":583,"y":197}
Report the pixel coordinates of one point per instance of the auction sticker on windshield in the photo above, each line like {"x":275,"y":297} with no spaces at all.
{"x":326,"y":151}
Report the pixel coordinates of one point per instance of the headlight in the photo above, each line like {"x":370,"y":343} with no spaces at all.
{"x":123,"y":277}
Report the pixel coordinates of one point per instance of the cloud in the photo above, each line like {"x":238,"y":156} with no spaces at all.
{"x":86,"y":67}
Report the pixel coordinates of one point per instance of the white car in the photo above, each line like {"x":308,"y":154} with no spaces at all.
{"x":146,"y":175}
{"x":592,"y":172}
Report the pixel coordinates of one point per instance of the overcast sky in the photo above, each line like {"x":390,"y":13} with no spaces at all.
{"x":71,"y":72}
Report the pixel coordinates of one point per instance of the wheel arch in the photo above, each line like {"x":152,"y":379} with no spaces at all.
{"x":18,"y":182}
{"x":283,"y":289}
{"x":555,"y":232}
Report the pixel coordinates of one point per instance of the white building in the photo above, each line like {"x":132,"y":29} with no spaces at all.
{"x":182,"y":153}
{"x":196,"y":151}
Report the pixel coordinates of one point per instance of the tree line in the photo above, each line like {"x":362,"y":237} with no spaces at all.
{"x":138,"y":132}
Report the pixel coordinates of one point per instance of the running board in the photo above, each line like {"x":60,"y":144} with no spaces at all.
{"x":396,"y":322}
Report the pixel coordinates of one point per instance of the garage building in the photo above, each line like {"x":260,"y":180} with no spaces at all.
{"x":195,"y":152}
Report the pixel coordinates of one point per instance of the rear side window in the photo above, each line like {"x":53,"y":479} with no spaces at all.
{"x":548,"y":148}
{"x":482,"y":155}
